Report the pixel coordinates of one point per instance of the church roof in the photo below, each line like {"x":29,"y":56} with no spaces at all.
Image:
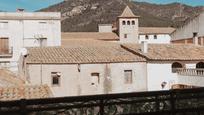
{"x":127,"y":13}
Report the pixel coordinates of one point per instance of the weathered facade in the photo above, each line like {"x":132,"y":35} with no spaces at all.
{"x":24,"y":29}
{"x":85,"y":69}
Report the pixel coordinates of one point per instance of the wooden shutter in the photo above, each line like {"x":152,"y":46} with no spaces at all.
{"x":4,"y":45}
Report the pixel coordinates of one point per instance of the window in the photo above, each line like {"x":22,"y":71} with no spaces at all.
{"x":4,"y":64}
{"x":128,"y":76}
{"x":146,"y":37}
{"x":3,"y":25}
{"x":4,"y":45}
{"x":124,"y":23}
{"x":195,"y":34}
{"x":128,"y":22}
{"x":175,"y":66}
{"x":42,"y":25}
{"x":95,"y":79}
{"x":133,"y":22}
{"x":155,"y":36}
{"x":125,"y":35}
{"x":55,"y":78}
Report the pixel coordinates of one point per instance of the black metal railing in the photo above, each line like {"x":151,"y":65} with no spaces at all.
{"x":174,"y":102}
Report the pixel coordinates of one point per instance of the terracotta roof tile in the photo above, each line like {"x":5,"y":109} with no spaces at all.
{"x":89,"y":35}
{"x":127,"y":13}
{"x":156,"y":30}
{"x":24,"y":92}
{"x":170,"y":52}
{"x":8,"y":78}
{"x":82,"y":53}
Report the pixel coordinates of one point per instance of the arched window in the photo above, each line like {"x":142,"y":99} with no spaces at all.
{"x":124,"y":23}
{"x":175,"y":66}
{"x":133,"y":22}
{"x":200,"y":65}
{"x":128,"y":22}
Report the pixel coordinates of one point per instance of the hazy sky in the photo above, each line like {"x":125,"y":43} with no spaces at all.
{"x":29,"y":5}
{"x":189,"y":2}
{"x":32,"y":5}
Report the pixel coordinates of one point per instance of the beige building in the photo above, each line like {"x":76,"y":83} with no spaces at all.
{"x":85,"y":68}
{"x":99,"y":67}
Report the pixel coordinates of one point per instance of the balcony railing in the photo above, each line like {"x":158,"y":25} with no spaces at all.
{"x":190,"y":72}
{"x":6,"y":52}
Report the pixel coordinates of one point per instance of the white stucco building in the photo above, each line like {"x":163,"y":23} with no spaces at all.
{"x":171,"y":65}
{"x":99,"y":67}
{"x":26,"y":29}
{"x":91,"y":67}
{"x":191,"y":32}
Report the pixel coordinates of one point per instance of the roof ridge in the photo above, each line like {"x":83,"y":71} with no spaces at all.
{"x":127,"y":12}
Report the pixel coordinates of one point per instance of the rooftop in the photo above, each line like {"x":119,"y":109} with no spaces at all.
{"x":30,"y":16}
{"x":82,"y":53}
{"x":169,"y":52}
{"x":89,"y":35}
{"x":156,"y":30}
{"x":7,"y":78}
{"x":127,"y":13}
{"x":24,"y":92}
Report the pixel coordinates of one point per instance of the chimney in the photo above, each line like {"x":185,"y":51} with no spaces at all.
{"x":20,"y":10}
{"x":144,"y":47}
{"x":195,"y":38}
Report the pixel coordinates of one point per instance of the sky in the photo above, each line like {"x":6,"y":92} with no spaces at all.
{"x":28,"y":5}
{"x":33,"y":5}
{"x":188,"y":2}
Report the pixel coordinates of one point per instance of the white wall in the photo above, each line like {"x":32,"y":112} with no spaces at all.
{"x":191,"y":80}
{"x":161,"y":38}
{"x":104,"y":28}
{"x":186,"y":31}
{"x":158,"y":73}
{"x":23,"y":28}
{"x":79,"y":83}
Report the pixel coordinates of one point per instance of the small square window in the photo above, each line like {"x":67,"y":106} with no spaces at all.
{"x":95,"y":80}
{"x":55,"y":78}
{"x":146,"y":37}
{"x":155,"y":36}
{"x":125,"y":35}
{"x":128,"y":76}
{"x":3,"y":25}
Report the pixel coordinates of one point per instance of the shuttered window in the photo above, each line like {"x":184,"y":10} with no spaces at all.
{"x":128,"y":76}
{"x":4,"y":45}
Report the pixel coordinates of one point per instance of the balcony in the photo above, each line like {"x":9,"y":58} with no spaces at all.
{"x":6,"y":53}
{"x":190,"y":72}
{"x":190,"y":77}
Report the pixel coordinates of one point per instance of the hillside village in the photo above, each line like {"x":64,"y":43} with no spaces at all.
{"x":37,"y":60}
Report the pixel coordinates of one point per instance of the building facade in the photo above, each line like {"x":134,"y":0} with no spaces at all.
{"x":85,"y":69}
{"x":191,"y":32}
{"x":105,"y":67}
{"x":23,"y":29}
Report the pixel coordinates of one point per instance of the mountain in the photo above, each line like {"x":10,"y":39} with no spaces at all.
{"x":85,"y":15}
